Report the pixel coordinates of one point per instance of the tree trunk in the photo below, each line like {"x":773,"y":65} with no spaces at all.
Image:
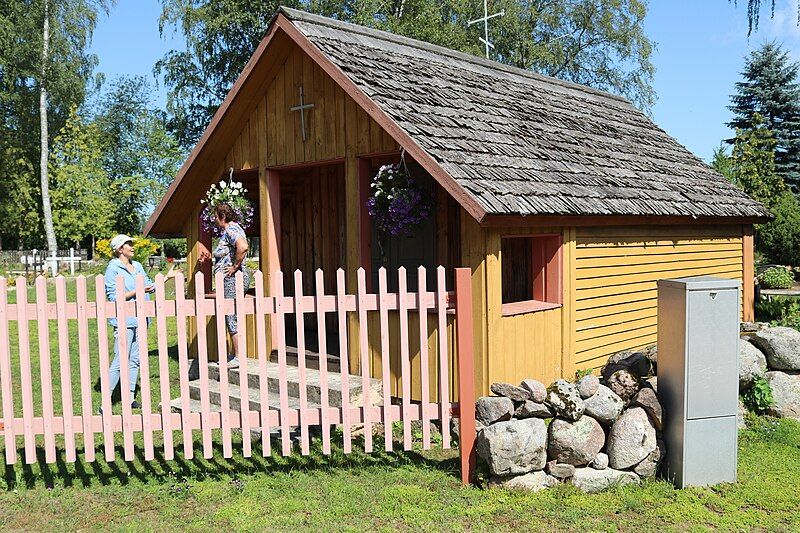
{"x":45,"y":155}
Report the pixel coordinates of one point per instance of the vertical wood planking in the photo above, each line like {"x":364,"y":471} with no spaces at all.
{"x":124,"y":369}
{"x":301,"y":360}
{"x":444,"y":375}
{"x":163,"y":368}
{"x":5,"y":377}
{"x":263,"y":356}
{"x":85,"y":368}
{"x":466,"y":371}
{"x":66,"y":371}
{"x":183,"y":365}
{"x":202,"y":358}
{"x":23,"y":331}
{"x":244,"y":389}
{"x":405,"y":363}
{"x":222,"y":350}
{"x":45,"y":371}
{"x":341,"y":315}
{"x":322,"y":342}
{"x":280,"y":341}
{"x":363,"y":348}
{"x":102,"y":348}
{"x":383,"y":300}
{"x":144,"y":368}
{"x":422,"y":292}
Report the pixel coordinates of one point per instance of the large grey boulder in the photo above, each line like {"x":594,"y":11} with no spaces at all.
{"x":508,"y":390}
{"x":631,"y":439}
{"x":575,"y":443}
{"x":536,"y":389}
{"x":604,"y":406}
{"x":786,"y":394}
{"x":591,"y":480}
{"x":530,"y":409}
{"x":647,"y":400}
{"x":649,"y":465}
{"x":636,"y":363}
{"x":563,"y":397}
{"x":514,"y":447}
{"x":781,"y":346}
{"x":587,"y":386}
{"x":752,"y":363}
{"x":532,"y":481}
{"x":491,"y":409}
{"x":624,"y":383}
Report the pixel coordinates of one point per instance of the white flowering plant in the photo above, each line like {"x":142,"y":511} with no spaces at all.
{"x":397,"y":204}
{"x":231,"y":193}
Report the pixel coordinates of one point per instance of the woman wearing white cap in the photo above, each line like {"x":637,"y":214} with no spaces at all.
{"x":122,"y":264}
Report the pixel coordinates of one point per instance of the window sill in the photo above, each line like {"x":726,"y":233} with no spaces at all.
{"x":529,"y":306}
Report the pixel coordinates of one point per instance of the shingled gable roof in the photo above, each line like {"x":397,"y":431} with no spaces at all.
{"x":506,"y":141}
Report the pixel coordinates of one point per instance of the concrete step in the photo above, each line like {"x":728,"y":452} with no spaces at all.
{"x":235,"y":397}
{"x":313,"y":386}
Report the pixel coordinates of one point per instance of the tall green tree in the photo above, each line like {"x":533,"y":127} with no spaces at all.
{"x":721,"y":162}
{"x":596,"y":42}
{"x":753,"y":164}
{"x":770,"y":90}
{"x":82,"y":196}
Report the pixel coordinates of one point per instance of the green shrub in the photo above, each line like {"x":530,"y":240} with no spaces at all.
{"x":776,"y":278}
{"x":758,"y":398}
{"x":779,"y":239}
{"x":175,"y":248}
{"x":779,"y":311}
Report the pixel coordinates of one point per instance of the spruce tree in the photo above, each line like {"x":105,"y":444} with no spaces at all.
{"x":770,"y":89}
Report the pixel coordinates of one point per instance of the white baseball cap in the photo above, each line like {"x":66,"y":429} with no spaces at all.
{"x":119,"y":240}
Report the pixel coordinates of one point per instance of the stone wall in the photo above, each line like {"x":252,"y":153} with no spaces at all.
{"x":774,"y":354}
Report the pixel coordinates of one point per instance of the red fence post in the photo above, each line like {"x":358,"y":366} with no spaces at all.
{"x":466,"y":375}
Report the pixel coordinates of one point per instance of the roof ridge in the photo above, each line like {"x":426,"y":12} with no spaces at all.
{"x":304,"y":16}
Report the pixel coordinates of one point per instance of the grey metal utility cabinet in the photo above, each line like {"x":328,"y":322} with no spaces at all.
{"x":698,"y":378}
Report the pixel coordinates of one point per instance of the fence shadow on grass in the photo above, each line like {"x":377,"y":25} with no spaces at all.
{"x":160,"y":470}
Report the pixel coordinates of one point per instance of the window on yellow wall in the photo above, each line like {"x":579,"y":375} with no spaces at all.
{"x":531,"y":273}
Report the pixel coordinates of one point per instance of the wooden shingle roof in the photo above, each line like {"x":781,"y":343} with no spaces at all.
{"x":524,"y":144}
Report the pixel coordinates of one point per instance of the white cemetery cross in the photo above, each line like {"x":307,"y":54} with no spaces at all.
{"x":485,"y":20}
{"x":302,"y":108}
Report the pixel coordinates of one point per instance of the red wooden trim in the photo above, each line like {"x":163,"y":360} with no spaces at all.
{"x":205,"y":242}
{"x":554,"y":278}
{"x":748,"y":275}
{"x":520,"y":221}
{"x":274,"y":221}
{"x":538,"y":270}
{"x":529,"y":306}
{"x":307,"y":164}
{"x":466,"y":375}
{"x":364,"y":220}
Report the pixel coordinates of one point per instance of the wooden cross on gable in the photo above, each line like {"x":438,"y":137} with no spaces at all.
{"x":302,"y":108}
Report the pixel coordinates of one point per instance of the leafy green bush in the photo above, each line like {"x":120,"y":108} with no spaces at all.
{"x":776,"y":278}
{"x":779,"y":311}
{"x":758,"y":397}
{"x":779,"y":239}
{"x":175,"y":248}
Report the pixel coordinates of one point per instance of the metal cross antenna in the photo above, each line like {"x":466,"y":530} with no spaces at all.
{"x":485,"y":20}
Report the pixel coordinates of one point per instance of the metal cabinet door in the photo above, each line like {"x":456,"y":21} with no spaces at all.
{"x":712,"y":366}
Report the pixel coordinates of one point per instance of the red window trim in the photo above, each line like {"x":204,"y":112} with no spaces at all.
{"x":528,"y":306}
{"x":547,"y":283}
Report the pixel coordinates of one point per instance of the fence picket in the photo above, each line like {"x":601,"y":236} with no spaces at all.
{"x":263,"y":356}
{"x":283,"y":387}
{"x":202,"y":358}
{"x":444,"y":375}
{"x":322,"y":343}
{"x":163,"y":368}
{"x":301,"y":360}
{"x":6,"y":379}
{"x":142,"y":331}
{"x":124,"y":368}
{"x":344,"y":360}
{"x":23,"y":331}
{"x":183,"y":365}
{"x":85,"y":366}
{"x":244,"y":386}
{"x":383,"y":299}
{"x":102,"y":347}
{"x":66,"y":371}
{"x":222,"y":353}
{"x":363,"y":349}
{"x":422,"y":293}
{"x":45,"y":370}
{"x":405,"y":363}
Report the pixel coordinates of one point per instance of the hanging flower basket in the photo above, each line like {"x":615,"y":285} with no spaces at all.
{"x":231,"y":193}
{"x":397,"y":204}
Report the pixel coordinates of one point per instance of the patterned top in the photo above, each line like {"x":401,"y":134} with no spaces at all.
{"x":225,"y":252}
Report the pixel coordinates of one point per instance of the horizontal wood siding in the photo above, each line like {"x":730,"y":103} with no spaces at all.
{"x":615,"y":275}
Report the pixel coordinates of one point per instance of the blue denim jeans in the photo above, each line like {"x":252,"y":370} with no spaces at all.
{"x":133,"y":359}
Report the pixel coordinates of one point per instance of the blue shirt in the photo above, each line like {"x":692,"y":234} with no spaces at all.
{"x":116,"y":268}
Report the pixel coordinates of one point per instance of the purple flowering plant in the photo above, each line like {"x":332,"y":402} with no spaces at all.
{"x":397,"y":204}
{"x":231,"y":193}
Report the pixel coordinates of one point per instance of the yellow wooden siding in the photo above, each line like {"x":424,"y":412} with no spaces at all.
{"x":615,"y":274}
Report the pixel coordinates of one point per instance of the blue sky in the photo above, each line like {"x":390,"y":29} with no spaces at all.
{"x":701,"y":45}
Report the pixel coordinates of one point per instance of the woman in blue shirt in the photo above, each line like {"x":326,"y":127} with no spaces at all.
{"x":122,"y":264}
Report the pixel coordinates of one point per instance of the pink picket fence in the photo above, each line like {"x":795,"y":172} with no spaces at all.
{"x":26,"y":328}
